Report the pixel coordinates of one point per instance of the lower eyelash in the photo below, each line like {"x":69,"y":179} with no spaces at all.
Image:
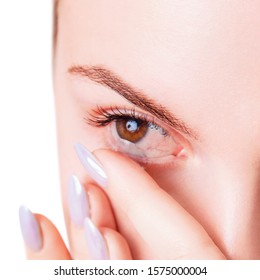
{"x":102,"y":117}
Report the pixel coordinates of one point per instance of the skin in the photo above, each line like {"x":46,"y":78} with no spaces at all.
{"x":200,"y":59}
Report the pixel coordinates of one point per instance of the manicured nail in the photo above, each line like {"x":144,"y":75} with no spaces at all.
{"x":95,"y":242}
{"x":77,"y":201}
{"x":92,"y":165}
{"x":30,"y":229}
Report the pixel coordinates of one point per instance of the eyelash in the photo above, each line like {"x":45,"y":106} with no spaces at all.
{"x":103,"y":117}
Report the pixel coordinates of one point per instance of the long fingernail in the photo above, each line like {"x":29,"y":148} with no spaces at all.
{"x":77,"y":201}
{"x":95,"y":242}
{"x":30,"y":229}
{"x":92,"y":165}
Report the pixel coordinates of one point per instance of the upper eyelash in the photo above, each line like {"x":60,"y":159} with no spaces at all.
{"x":102,"y":117}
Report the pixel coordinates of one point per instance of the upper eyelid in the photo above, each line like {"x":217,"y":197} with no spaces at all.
{"x":124,"y":113}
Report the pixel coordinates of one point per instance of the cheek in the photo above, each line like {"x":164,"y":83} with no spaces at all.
{"x":222,"y":194}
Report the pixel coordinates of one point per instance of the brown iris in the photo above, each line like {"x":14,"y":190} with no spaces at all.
{"x":131,"y":130}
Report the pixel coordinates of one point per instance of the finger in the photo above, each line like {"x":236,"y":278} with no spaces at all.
{"x":105,"y":243}
{"x":86,"y":200}
{"x":101,"y":212}
{"x":42,"y":239}
{"x":164,"y":225}
{"x":118,"y":248}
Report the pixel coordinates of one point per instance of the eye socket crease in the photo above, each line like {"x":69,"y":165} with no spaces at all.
{"x":109,"y":79}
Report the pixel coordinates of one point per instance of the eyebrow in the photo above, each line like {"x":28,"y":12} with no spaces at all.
{"x":109,"y":79}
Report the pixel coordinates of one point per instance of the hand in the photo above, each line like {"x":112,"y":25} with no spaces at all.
{"x":150,"y":221}
{"x":43,"y":240}
{"x":153,"y":223}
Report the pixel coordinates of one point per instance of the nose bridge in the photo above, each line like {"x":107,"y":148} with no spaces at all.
{"x":240,"y":200}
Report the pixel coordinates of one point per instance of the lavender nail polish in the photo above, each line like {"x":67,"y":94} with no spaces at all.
{"x":92,"y":165}
{"x":77,"y":202}
{"x":95,"y":242}
{"x":30,"y":229}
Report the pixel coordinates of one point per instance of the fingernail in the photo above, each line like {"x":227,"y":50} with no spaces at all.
{"x":77,"y":201}
{"x":30,"y":229}
{"x":95,"y":242}
{"x":92,"y":165}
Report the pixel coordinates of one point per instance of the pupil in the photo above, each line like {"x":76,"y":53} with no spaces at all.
{"x":132,"y":125}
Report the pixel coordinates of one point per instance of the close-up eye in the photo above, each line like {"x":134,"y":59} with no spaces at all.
{"x":136,"y":134}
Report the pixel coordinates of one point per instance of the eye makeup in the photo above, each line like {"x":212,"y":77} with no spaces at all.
{"x":102,"y":117}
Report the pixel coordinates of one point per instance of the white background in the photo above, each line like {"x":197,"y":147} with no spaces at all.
{"x":28,"y":156}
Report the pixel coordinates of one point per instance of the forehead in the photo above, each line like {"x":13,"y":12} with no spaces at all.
{"x":161,"y":35}
{"x":178,"y":50}
{"x":159,"y":25}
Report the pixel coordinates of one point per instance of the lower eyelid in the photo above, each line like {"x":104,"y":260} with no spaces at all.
{"x":143,"y":157}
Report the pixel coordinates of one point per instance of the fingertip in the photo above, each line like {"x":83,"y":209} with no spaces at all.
{"x":105,"y":243}
{"x":42,"y":239}
{"x":105,"y":155}
{"x":31,"y":230}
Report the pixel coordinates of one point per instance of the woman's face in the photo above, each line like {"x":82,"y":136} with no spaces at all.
{"x":189,"y":70}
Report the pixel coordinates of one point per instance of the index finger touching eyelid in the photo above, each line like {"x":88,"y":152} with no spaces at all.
{"x":93,"y":166}
{"x":158,"y":218}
